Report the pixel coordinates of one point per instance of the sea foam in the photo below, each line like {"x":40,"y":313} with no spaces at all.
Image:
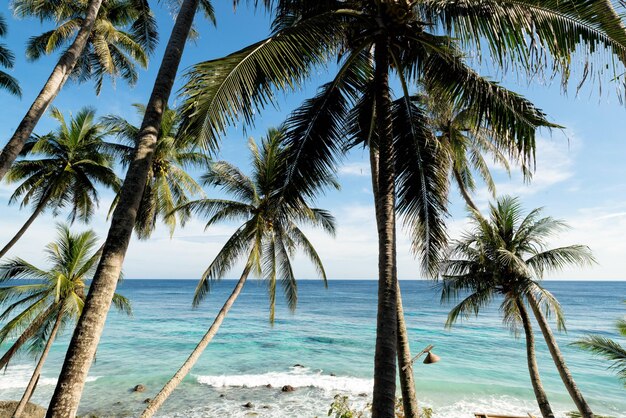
{"x":17,"y":377}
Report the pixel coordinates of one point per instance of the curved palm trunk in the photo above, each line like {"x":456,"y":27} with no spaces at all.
{"x":533,"y":369}
{"x":80,"y":354}
{"x":35,"y":377}
{"x":24,"y":227}
{"x":558,"y":359}
{"x":384,"y":394}
{"x":53,"y":85}
{"x":468,"y":200}
{"x":169,"y":387}
{"x":29,"y":332}
{"x":407,"y":384}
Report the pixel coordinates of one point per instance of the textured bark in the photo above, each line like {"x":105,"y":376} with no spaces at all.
{"x":19,"y":410}
{"x":87,"y":333}
{"x":407,"y":384}
{"x":53,"y":85}
{"x":384,"y":394}
{"x":169,"y":387}
{"x":25,"y":336}
{"x":559,"y":361}
{"x":468,"y":200}
{"x":533,"y":369}
{"x":24,"y":227}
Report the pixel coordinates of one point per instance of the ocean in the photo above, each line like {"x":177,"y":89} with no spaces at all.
{"x":331,"y":335}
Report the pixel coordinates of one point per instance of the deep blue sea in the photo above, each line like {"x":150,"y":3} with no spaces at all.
{"x":482,"y":367}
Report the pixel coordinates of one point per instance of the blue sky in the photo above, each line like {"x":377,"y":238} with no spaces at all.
{"x":580,"y":174}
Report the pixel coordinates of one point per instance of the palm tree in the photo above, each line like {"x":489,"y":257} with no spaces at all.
{"x":57,"y":296}
{"x":505,"y":256}
{"x":7,"y":58}
{"x":87,"y":333}
{"x":72,"y":162}
{"x":169,"y":185}
{"x":266,"y":240}
{"x":371,"y":39}
{"x":609,"y":349}
{"x":108,"y":40}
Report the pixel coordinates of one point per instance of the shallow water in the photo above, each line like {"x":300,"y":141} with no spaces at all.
{"x":482,"y":367}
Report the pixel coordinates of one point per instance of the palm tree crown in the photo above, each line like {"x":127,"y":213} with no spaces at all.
{"x":168,"y":185}
{"x":57,"y":290}
{"x":123,"y":35}
{"x":64,"y":167}
{"x":7,"y":59}
{"x":270,"y":233}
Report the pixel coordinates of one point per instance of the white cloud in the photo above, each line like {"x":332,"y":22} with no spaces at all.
{"x":360,"y":169}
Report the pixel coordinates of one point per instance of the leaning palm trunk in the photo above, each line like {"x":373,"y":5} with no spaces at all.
{"x":40,"y":207}
{"x":25,"y":336}
{"x":169,"y":387}
{"x":80,"y":354}
{"x":35,"y":377}
{"x":558,"y":359}
{"x":55,"y":83}
{"x":407,"y":384}
{"x":384,"y":394}
{"x":533,"y":369}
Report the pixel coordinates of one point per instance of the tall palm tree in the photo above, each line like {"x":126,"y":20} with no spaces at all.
{"x":87,"y":333}
{"x":373,"y":40}
{"x":610,"y":349}
{"x":69,"y":163}
{"x":266,"y":240}
{"x":57,"y":296}
{"x":505,"y":256}
{"x":107,"y":41}
{"x":169,"y":185}
{"x":7,"y":59}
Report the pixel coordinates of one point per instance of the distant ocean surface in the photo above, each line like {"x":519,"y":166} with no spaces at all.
{"x":482,"y":367}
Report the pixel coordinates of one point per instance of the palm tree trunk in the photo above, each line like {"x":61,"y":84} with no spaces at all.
{"x":53,"y":85}
{"x":35,"y":377}
{"x":384,"y":394}
{"x":558,"y":359}
{"x":64,"y":402}
{"x":169,"y":387}
{"x":468,"y":200}
{"x":533,"y":369}
{"x":407,"y":384}
{"x":40,"y":207}
{"x":29,"y":332}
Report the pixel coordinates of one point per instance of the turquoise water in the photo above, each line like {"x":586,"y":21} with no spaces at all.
{"x":482,"y":365}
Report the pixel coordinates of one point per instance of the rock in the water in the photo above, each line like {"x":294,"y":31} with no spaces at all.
{"x":333,"y":374}
{"x":139,"y":388}
{"x":269,"y":386}
{"x":287,"y":388}
{"x":298,"y":365}
{"x":147,"y":400}
{"x":248,"y":405}
{"x":266,"y":407}
{"x":31,"y":411}
{"x":222,"y":395}
{"x":363,"y":395}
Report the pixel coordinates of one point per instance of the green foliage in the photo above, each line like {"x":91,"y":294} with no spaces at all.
{"x":341,"y":408}
{"x":62,"y":168}
{"x":270,"y":233}
{"x":505,"y":255}
{"x":168,"y":185}
{"x":576,"y":414}
{"x":7,"y":59}
{"x":61,"y":288}
{"x":123,"y":36}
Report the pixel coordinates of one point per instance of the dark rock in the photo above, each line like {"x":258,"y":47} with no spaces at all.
{"x":139,"y":388}
{"x":269,"y":386}
{"x":333,"y":374}
{"x":266,"y":407}
{"x":222,"y":395}
{"x":288,"y":388}
{"x":147,"y":400}
{"x":363,"y":395}
{"x":248,"y":405}
{"x":298,"y":365}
